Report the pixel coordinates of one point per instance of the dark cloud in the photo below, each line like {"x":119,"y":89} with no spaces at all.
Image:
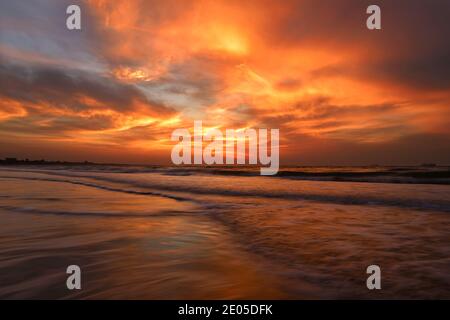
{"x":411,"y":49}
{"x":406,"y":24}
{"x":64,"y":88}
{"x":419,"y":73}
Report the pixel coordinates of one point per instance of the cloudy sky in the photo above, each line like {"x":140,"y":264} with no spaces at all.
{"x":114,"y":91}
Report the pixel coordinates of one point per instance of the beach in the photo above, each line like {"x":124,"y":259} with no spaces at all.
{"x":177,"y":233}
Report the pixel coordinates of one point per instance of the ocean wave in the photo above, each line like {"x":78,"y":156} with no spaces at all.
{"x":403,"y":175}
{"x":166,"y":213}
{"x":107,"y":188}
{"x":191,"y":192}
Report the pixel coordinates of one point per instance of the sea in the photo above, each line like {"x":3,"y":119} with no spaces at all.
{"x":161,"y":232}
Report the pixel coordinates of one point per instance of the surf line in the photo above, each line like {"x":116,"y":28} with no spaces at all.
{"x":229,"y":148}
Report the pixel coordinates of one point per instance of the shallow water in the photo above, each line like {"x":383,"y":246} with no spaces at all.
{"x":166,"y":235}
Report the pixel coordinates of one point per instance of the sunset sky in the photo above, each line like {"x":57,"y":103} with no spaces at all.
{"x":114,"y":92}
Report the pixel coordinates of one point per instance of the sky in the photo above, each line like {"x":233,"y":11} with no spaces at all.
{"x":340,"y":94}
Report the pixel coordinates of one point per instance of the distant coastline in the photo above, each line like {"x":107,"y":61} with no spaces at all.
{"x":15,"y":161}
{"x":26,"y":161}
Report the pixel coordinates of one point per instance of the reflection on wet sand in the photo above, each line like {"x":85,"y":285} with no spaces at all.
{"x":189,"y":257}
